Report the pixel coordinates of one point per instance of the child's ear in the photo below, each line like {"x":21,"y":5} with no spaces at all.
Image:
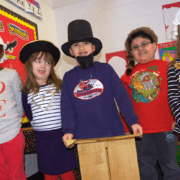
{"x":71,"y":52}
{"x":94,"y":47}
{"x":154,"y":46}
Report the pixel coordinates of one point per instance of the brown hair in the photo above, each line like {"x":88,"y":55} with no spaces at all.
{"x":31,"y":84}
{"x":1,"y":51}
{"x":144,"y":32}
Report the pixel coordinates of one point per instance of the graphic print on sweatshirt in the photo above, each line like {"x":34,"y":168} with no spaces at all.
{"x":145,"y":85}
{"x":2,"y":102}
{"x":88,"y":89}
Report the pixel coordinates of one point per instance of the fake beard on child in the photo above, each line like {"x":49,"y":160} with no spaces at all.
{"x":85,"y":61}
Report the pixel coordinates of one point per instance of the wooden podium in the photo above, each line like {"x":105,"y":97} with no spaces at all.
{"x":113,"y":158}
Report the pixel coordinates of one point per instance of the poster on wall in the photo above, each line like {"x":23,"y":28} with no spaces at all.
{"x":169,"y":13}
{"x":118,"y":61}
{"x":167,"y":51}
{"x":29,"y":6}
{"x":15,"y":32}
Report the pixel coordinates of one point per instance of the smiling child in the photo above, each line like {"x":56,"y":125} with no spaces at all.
{"x":89,"y":89}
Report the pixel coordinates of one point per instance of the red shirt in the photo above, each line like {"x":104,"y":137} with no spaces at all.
{"x":147,"y":87}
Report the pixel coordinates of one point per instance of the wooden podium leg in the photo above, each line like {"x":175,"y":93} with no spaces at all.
{"x":123,"y":160}
{"x":93,"y":161}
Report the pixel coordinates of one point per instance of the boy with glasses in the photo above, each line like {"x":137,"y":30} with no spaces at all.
{"x":146,"y":82}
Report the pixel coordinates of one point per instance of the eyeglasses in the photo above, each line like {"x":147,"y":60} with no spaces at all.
{"x":143,"y":45}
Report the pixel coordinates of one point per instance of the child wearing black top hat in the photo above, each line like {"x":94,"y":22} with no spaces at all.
{"x":89,"y":89}
{"x":41,"y":101}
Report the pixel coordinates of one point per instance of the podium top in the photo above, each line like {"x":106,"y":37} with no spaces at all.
{"x":95,"y":140}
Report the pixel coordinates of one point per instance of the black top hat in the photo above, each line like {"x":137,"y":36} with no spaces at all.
{"x":37,"y":46}
{"x":78,"y":31}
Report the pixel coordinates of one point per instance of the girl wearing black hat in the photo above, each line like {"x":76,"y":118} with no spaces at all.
{"x":88,"y":91}
{"x":41,"y":97}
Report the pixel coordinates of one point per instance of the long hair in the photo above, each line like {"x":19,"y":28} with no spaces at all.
{"x":31,"y":84}
{"x":144,"y":32}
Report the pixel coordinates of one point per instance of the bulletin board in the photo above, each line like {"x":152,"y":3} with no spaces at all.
{"x":15,"y":31}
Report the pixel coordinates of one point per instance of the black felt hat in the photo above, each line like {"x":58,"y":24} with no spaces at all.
{"x":79,"y":31}
{"x":37,"y":46}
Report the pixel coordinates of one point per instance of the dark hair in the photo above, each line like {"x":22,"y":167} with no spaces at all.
{"x":1,"y":51}
{"x":139,"y":34}
{"x":31,"y":84}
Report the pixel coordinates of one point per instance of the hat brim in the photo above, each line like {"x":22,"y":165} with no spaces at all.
{"x":98,"y":45}
{"x":37,"y":46}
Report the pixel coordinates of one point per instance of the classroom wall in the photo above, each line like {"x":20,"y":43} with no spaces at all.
{"x":111,"y":21}
{"x":46,"y":25}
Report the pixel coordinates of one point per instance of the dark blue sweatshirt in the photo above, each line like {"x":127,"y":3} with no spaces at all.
{"x":87,"y":103}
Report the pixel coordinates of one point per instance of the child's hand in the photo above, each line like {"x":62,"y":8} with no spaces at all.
{"x":67,"y":136}
{"x":173,"y":125}
{"x":137,"y":129}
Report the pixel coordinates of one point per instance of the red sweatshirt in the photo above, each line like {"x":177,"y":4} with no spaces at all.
{"x":147,"y":87}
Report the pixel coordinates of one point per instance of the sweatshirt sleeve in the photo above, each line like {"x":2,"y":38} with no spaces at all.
{"x":26,"y":106}
{"x":67,"y":111}
{"x":173,"y":95}
{"x":16,"y":81}
{"x":123,"y":99}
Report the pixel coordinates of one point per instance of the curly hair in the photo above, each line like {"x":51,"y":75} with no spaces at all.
{"x":144,"y":32}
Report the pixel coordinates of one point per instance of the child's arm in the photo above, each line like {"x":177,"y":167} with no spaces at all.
{"x":173,"y":95}
{"x":17,"y":94}
{"x":26,"y":106}
{"x":137,"y":129}
{"x":66,"y":137}
{"x":124,"y":103}
{"x":67,"y":111}
{"x":126,"y":128}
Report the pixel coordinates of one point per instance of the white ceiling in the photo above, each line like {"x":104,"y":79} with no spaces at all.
{"x":61,"y":3}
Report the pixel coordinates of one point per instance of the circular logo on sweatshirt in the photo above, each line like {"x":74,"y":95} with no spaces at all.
{"x":88,"y":89}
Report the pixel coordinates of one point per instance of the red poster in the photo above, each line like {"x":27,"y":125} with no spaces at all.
{"x":15,"y":32}
{"x":118,"y":61}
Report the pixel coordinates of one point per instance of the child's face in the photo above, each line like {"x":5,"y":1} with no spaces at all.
{"x":41,"y":69}
{"x":143,"y":50}
{"x":81,"y":49}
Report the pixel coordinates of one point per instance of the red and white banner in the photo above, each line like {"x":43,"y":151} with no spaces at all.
{"x":15,"y":32}
{"x":30,"y":6}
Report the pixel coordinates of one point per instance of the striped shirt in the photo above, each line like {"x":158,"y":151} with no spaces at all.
{"x":45,"y":107}
{"x":174,"y":94}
